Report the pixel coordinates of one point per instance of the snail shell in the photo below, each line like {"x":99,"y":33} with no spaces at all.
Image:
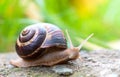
{"x":35,"y":39}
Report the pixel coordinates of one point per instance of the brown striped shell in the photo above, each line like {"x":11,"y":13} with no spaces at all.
{"x":36,"y":38}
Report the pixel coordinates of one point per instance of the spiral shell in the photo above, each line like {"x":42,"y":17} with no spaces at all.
{"x":35,"y":39}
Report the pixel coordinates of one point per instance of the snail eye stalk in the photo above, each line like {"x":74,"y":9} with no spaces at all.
{"x":69,"y":39}
{"x":80,"y":46}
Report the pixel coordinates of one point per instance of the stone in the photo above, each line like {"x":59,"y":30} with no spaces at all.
{"x":62,"y":70}
{"x":97,"y":63}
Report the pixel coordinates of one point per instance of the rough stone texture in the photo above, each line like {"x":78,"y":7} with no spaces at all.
{"x":62,"y":70}
{"x":99,"y":63}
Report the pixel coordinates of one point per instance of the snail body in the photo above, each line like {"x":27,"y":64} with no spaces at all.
{"x":44,"y":44}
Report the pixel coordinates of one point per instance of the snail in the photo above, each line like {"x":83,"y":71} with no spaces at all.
{"x":44,"y":44}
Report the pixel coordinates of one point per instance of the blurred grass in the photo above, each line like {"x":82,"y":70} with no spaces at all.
{"x":9,"y":16}
{"x":80,"y":17}
{"x":63,"y":14}
{"x":12,"y":20}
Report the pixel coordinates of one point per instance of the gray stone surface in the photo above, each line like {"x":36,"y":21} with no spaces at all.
{"x":99,"y":63}
{"x":62,"y":70}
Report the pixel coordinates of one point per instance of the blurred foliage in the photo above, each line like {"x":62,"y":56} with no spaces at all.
{"x":83,"y":17}
{"x":10,"y":12}
{"x":12,"y":20}
{"x":79,"y":17}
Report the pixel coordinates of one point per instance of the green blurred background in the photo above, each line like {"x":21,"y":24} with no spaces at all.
{"x":79,"y":17}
